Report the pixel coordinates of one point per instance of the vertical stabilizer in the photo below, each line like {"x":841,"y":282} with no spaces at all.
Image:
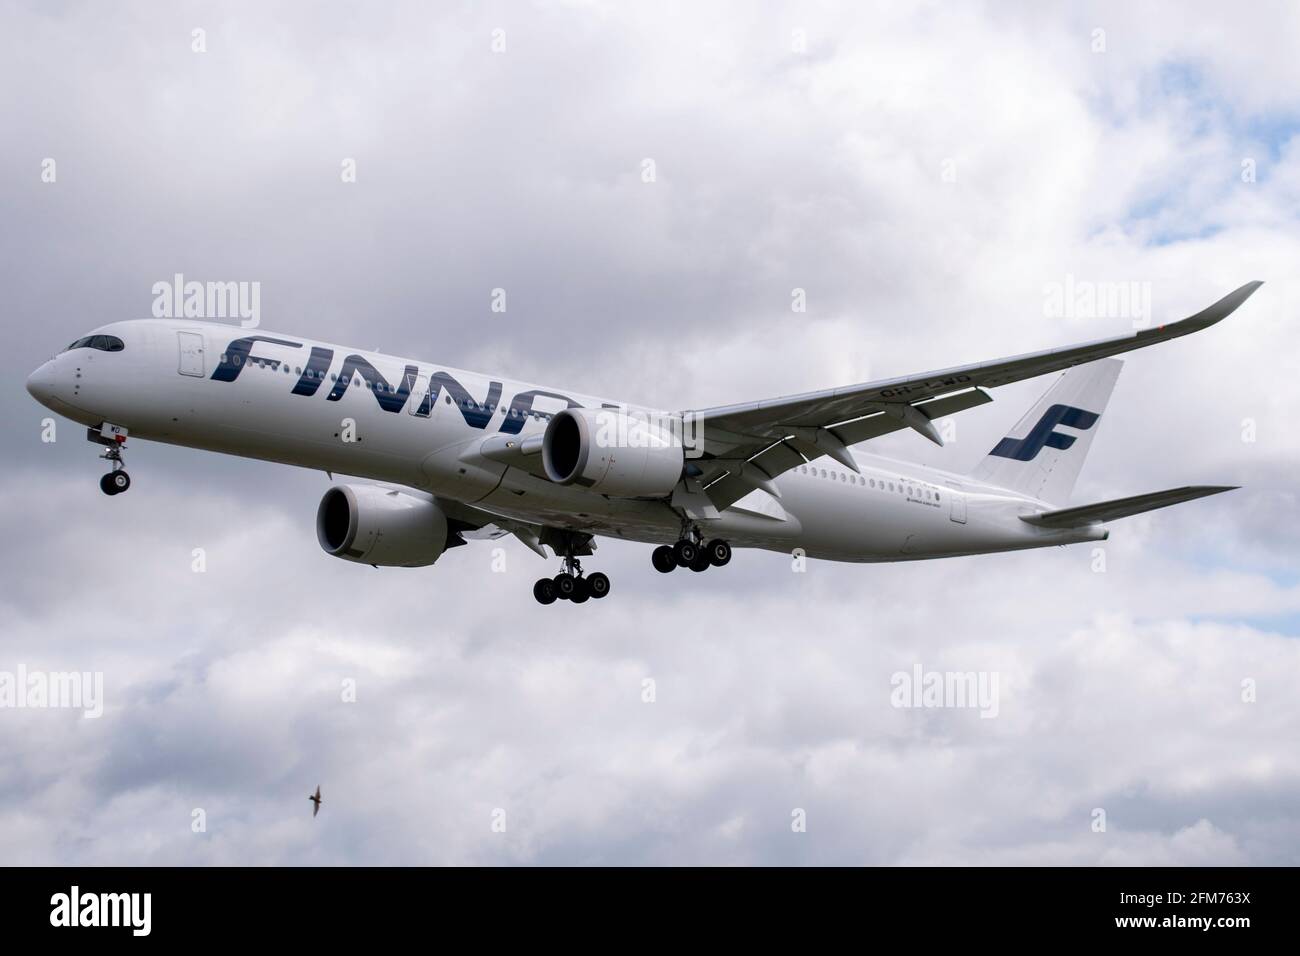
{"x":1043,"y":454}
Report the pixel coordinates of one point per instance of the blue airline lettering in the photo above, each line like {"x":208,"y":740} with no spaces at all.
{"x":1045,"y":434}
{"x":390,"y":399}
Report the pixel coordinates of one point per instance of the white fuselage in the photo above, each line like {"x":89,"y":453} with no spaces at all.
{"x":282,"y":398}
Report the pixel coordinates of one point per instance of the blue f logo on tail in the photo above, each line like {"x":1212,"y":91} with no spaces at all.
{"x":1044,"y":433}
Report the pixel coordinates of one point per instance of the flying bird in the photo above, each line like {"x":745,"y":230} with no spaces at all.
{"x":315,"y":799}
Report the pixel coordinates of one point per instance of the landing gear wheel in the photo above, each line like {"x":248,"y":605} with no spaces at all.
{"x":685,"y":552}
{"x":598,"y":585}
{"x":581,"y":590}
{"x":544,"y":591}
{"x":719,"y":552}
{"x":663,"y":559}
{"x":701,"y":562}
{"x":115,"y":482}
{"x":566,"y":585}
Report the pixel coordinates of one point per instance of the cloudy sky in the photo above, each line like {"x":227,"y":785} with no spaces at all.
{"x":927,"y":173}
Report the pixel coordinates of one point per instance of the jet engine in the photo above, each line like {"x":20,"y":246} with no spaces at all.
{"x":372,"y":524}
{"x":613,"y":452}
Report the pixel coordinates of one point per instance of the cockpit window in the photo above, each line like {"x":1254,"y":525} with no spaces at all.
{"x":105,"y":343}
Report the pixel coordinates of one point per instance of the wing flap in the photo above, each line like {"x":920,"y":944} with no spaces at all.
{"x":734,"y":485}
{"x":793,"y":452}
{"x":880,"y":423}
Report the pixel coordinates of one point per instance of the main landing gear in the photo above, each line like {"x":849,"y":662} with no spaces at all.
{"x":571,"y":585}
{"x":690,"y":553}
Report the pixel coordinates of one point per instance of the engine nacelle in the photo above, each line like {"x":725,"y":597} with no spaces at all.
{"x":613,"y":452}
{"x":372,"y":524}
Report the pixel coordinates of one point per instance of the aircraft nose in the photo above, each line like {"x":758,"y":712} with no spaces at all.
{"x":40,"y":384}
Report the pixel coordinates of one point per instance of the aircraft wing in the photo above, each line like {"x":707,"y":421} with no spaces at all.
{"x":745,"y":446}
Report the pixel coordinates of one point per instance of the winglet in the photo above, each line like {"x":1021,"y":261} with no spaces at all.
{"x":1212,"y":314}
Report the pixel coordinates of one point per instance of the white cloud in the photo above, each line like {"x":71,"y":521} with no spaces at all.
{"x":823,"y":171}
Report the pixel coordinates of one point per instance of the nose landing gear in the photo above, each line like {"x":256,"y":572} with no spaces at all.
{"x":114,"y":436}
{"x":115,"y":482}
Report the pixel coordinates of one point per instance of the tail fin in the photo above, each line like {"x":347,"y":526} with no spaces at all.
{"x":1054,"y":436}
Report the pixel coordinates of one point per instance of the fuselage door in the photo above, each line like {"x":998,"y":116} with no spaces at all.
{"x":191,"y":347}
{"x":958,"y":513}
{"x":414,"y":403}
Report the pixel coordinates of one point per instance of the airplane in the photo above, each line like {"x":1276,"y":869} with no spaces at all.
{"x":448,"y":456}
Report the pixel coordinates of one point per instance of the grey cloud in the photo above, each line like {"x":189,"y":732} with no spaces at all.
{"x":523,"y":171}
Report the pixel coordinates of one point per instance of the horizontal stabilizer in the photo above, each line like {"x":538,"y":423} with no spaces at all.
{"x":1122,"y":507}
